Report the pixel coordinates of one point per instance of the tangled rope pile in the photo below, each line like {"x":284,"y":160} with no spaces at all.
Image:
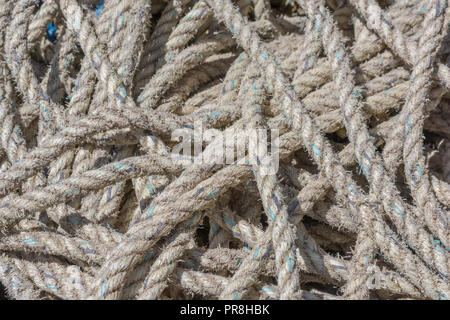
{"x":93,"y":205}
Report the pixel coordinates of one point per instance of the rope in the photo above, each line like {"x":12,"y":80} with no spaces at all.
{"x":95,"y":202}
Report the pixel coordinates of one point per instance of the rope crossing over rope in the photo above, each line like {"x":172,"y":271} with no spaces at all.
{"x":94,"y":204}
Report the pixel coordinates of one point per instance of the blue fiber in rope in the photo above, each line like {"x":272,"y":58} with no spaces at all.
{"x":50,"y":33}
{"x":119,"y":165}
{"x":99,"y":7}
{"x":229,"y":222}
{"x":211,"y":195}
{"x":396,"y":209}
{"x":276,"y":201}
{"x":356,"y":93}
{"x":289,"y":263}
{"x":150,"y":189}
{"x":338,"y":267}
{"x":51,"y":286}
{"x":122,"y":89}
{"x":213,"y":228}
{"x":104,"y":287}
{"x":199,"y":191}
{"x":409,"y":123}
{"x":438,"y":8}
{"x":256,"y":253}
{"x":213,"y":114}
{"x":419,"y":170}
{"x":150,"y":211}
{"x":108,"y":197}
{"x":442,"y":296}
{"x":271,"y":214}
{"x":316,"y":151}
{"x":29,"y":240}
{"x":147,"y":256}
{"x":317,"y":22}
{"x":75,"y":221}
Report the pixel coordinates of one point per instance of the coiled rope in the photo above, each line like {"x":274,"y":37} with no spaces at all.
{"x":94,"y":205}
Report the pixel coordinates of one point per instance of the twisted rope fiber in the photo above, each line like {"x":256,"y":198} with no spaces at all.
{"x":93,"y":205}
{"x":106,"y":203}
{"x":315,"y":151}
{"x":427,"y":49}
{"x":368,"y":158}
{"x":283,"y":232}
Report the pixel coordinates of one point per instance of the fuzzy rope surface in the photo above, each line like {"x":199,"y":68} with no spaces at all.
{"x":352,"y":96}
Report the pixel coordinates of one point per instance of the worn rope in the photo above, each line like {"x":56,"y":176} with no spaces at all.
{"x":96,"y":97}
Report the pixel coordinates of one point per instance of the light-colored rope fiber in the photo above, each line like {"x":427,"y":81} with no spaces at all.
{"x":94,"y":205}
